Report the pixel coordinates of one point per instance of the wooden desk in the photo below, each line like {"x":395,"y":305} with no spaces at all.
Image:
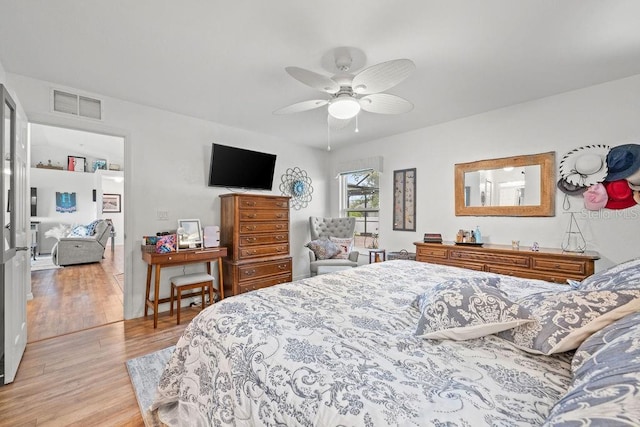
{"x":173,"y":259}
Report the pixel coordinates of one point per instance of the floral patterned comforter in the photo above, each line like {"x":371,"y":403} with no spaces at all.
{"x":339,"y":350}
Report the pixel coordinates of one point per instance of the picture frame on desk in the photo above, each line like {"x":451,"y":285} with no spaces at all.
{"x":189,"y":234}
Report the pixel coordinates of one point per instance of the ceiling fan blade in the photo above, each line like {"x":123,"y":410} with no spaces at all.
{"x":302,"y":106}
{"x":384,"y":103}
{"x":315,"y":80}
{"x":383,"y":76}
{"x":337,"y":123}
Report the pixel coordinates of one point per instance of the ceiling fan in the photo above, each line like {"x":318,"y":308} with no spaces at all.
{"x":350,"y":93}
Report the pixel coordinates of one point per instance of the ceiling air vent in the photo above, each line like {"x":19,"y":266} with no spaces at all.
{"x":78,"y":105}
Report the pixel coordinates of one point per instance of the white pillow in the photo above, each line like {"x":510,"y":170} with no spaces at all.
{"x":345,"y":245}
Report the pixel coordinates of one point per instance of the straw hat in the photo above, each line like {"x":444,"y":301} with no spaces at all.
{"x":585,"y":165}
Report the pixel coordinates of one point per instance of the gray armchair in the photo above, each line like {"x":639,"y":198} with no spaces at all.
{"x":82,"y":250}
{"x":332,"y":227}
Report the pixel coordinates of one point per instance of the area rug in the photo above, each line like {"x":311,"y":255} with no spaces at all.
{"x":43,"y":262}
{"x":144,"y":372}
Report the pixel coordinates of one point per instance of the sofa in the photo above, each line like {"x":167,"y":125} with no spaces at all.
{"x":83,"y":244}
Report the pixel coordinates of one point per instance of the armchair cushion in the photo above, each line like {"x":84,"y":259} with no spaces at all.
{"x":345,"y":245}
{"x":323,"y":248}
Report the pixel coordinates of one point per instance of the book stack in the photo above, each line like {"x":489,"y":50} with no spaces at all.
{"x":432,"y":238}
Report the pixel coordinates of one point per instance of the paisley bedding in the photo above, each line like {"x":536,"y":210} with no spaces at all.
{"x":340,"y":350}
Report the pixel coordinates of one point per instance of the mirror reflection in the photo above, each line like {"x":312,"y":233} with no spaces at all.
{"x":508,"y":186}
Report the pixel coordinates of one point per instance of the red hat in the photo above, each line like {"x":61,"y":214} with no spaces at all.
{"x":620,"y":195}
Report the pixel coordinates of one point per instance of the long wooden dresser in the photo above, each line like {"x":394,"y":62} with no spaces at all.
{"x":552,"y":265}
{"x":255,"y":230}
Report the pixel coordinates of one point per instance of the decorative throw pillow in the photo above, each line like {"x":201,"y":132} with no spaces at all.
{"x":345,"y":245}
{"x":606,"y":385}
{"x":565,"y":319}
{"x":467,"y":309}
{"x":91,"y":228}
{"x":323,"y":248}
{"x":79,"y":231}
{"x":625,"y":275}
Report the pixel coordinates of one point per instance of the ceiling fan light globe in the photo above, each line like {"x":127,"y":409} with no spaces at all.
{"x":344,"y":108}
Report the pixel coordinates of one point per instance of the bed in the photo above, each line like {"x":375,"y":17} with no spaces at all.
{"x":403,"y":343}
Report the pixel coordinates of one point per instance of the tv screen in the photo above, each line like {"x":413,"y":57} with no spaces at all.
{"x":240,"y":168}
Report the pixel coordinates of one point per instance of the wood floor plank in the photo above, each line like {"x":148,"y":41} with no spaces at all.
{"x":80,"y":378}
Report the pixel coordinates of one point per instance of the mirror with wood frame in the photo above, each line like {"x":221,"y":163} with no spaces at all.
{"x":509,"y":186}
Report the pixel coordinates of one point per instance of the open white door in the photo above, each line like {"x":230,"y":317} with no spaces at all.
{"x":15,"y":277}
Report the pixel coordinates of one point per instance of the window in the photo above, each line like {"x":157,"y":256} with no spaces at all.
{"x":360,"y":198}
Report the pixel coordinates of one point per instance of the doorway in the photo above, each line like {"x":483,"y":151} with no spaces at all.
{"x":77,"y":177}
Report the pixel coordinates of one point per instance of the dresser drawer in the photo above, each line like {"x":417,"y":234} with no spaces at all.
{"x":270,"y":268}
{"x":263,"y":239}
{"x":431,"y":253}
{"x":493,"y":258}
{"x":264,"y":215}
{"x":262,"y":251}
{"x":263,"y":283}
{"x":263,"y":203}
{"x":571,"y":267}
{"x":169,"y":258}
{"x":530,"y":274}
{"x":263,"y":227}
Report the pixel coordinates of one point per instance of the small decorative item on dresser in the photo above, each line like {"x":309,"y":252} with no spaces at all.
{"x":432,"y":238}
{"x":402,"y":254}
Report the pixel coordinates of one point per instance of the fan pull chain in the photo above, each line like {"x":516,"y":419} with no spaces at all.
{"x":328,"y":136}
{"x":357,"y":130}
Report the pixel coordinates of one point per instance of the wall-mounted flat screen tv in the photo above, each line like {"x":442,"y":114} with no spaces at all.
{"x":239,"y":168}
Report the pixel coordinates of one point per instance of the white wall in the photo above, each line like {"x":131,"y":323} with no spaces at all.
{"x":167,"y":160}
{"x":603,"y":114}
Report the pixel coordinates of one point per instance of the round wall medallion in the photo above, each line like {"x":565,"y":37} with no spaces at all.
{"x":297,"y":184}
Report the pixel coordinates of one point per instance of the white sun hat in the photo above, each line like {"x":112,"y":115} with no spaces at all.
{"x":585,"y":166}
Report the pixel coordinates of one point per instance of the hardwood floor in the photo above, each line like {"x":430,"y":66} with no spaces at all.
{"x":76,"y":297}
{"x":81,"y":378}
{"x":73,"y":371}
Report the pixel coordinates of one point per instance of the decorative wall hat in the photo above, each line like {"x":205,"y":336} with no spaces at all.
{"x":634,"y":181}
{"x":569,"y":188}
{"x":619,"y":194}
{"x":595,"y":198}
{"x":623,"y":161}
{"x":585,"y":166}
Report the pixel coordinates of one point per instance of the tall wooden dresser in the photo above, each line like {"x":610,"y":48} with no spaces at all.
{"x":255,"y":230}
{"x":552,"y":265}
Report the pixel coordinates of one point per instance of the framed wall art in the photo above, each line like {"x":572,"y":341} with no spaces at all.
{"x":76,"y":164}
{"x":404,"y":200}
{"x":111,"y":203}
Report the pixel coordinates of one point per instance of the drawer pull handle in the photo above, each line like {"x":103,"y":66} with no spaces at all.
{"x":251,"y":215}
{"x":251,"y":239}
{"x":279,"y":237}
{"x":557,"y":266}
{"x":170,"y":258}
{"x":279,"y":226}
{"x":280,"y":215}
{"x":250,"y":272}
{"x":247,"y":203}
{"x":250,"y":252}
{"x":282,"y":205}
{"x":250,"y":227}
{"x":282,"y":266}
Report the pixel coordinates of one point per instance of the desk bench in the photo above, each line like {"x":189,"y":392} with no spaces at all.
{"x":175,"y":259}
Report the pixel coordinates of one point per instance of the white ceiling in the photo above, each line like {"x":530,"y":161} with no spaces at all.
{"x":224,"y":60}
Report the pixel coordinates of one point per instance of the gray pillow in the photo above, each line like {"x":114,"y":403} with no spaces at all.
{"x":606,"y":386}
{"x":323,"y":248}
{"x":565,"y":319}
{"x":463,"y":309}
{"x":622,"y":276}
